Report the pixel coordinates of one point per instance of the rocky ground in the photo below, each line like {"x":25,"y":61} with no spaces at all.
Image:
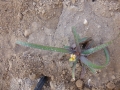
{"x":49,"y":22}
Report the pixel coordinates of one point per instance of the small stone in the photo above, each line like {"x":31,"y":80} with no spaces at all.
{"x":34,"y":3}
{"x":32,"y":76}
{"x":85,"y":22}
{"x":87,"y":28}
{"x":73,"y":79}
{"x":113,"y":77}
{"x":99,"y":26}
{"x":20,"y":16}
{"x":27,"y":33}
{"x":79,"y":83}
{"x":19,"y":80}
{"x":52,"y":85}
{"x":89,"y":80}
{"x":110,"y":85}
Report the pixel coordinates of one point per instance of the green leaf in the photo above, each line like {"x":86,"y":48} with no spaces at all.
{"x":67,"y":47}
{"x":94,"y":66}
{"x":83,"y":40}
{"x":62,"y":50}
{"x":92,"y":70}
{"x":107,"y":56}
{"x":95,"y":49}
{"x":89,"y":63}
{"x":76,"y":37}
{"x":84,"y":67}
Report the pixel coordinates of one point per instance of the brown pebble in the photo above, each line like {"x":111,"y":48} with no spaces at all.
{"x":79,"y":83}
{"x":110,"y":85}
{"x":27,"y":33}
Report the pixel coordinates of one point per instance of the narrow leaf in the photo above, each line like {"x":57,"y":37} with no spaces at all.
{"x":107,"y":56}
{"x":95,"y":49}
{"x":76,"y":37}
{"x":83,"y":40}
{"x":84,"y":68}
{"x":89,"y":63}
{"x":67,"y":47}
{"x":92,"y":70}
{"x":62,"y":50}
{"x":94,"y":66}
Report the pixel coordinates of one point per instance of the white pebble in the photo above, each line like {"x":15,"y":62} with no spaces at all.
{"x":34,"y":3}
{"x":99,"y":26}
{"x":89,"y":80}
{"x":85,"y":22}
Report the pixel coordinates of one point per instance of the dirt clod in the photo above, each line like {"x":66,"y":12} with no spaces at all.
{"x":110,"y":85}
{"x":79,"y":83}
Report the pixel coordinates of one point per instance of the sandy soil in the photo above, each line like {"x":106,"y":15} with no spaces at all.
{"x":49,"y":22}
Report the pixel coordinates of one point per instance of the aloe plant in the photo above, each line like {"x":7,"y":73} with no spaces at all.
{"x":78,"y":53}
